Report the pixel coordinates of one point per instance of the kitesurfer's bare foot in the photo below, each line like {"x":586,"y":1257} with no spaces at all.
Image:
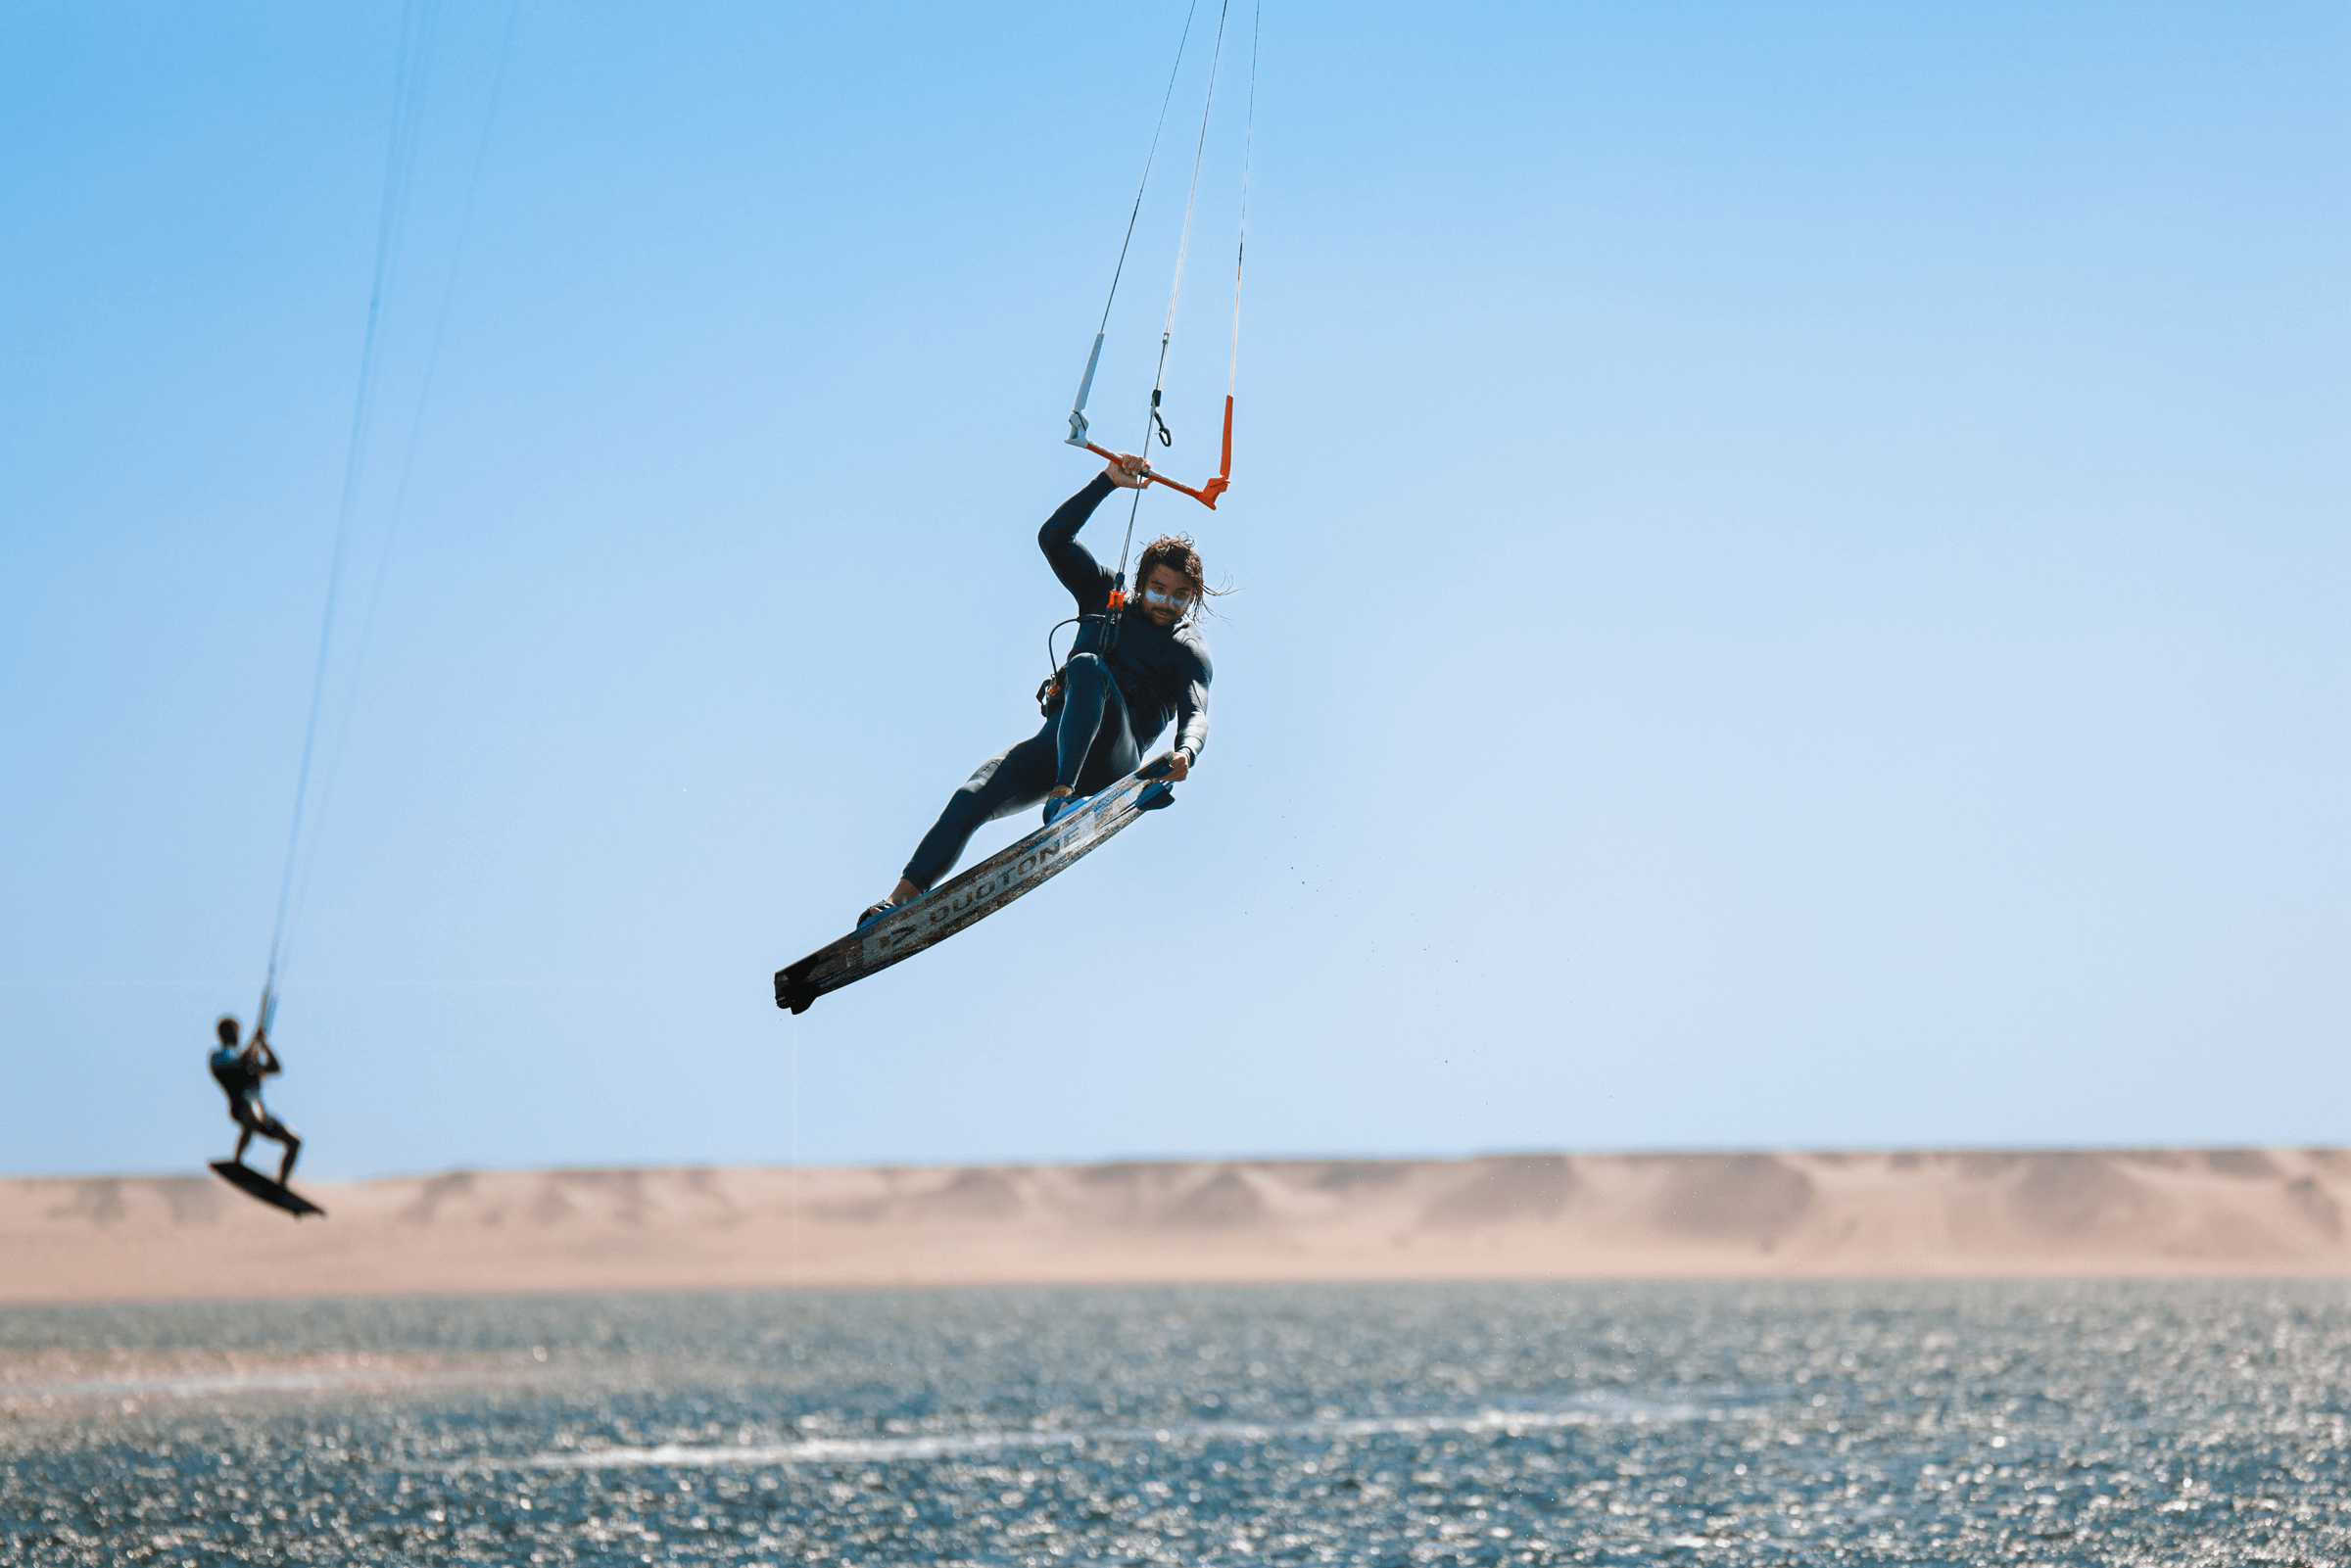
{"x":1057,"y":791}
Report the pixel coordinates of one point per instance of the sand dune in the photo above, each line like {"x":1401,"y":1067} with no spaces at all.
{"x":2177,"y":1212}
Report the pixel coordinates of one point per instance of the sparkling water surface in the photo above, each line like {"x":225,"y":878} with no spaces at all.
{"x":1783,"y":1423}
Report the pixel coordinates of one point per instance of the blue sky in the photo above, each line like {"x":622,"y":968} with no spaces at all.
{"x":1790,"y":569}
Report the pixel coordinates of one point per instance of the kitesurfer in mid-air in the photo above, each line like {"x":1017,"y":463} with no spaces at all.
{"x":1112,"y":701}
{"x":239,"y":1071}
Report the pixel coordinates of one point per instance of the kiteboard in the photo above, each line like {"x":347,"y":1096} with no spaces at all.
{"x":979,"y":892}
{"x":237,"y":1173}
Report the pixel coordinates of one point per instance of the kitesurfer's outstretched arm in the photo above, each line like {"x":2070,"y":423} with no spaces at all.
{"x":1088,"y":581}
{"x":1191,"y":719}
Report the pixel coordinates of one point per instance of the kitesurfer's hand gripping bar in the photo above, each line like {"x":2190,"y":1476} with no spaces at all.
{"x":1208,"y":492}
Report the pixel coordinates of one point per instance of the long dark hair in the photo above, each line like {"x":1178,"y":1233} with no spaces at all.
{"x":1176,"y":552}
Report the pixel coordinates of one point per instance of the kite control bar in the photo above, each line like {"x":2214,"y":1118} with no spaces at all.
{"x":1208,"y":492}
{"x":1211,"y":489}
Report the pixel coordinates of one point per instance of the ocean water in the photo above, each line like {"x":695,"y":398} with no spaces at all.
{"x":1730,"y":1423}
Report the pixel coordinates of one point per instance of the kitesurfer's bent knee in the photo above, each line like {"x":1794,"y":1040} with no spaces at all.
{"x":1091,"y":703}
{"x":253,"y":1122}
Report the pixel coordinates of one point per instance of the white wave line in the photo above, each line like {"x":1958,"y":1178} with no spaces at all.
{"x":818,"y":1451}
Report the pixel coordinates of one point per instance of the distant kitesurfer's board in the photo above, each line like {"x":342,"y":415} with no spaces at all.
{"x":238,"y":1174}
{"x":980,"y":891}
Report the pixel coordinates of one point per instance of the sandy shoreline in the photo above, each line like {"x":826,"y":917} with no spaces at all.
{"x":2167,"y":1213}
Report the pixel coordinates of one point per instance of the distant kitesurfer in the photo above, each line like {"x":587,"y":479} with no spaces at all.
{"x":239,"y":1072}
{"x":1112,"y":701}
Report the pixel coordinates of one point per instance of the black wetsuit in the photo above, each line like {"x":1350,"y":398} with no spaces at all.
{"x":1113,"y":705}
{"x":240,"y":1078}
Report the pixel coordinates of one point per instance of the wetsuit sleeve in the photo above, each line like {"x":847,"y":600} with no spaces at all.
{"x":1087,"y":579}
{"x":1191,"y":708}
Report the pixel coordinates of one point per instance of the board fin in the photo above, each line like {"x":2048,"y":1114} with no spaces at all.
{"x":792,"y":989}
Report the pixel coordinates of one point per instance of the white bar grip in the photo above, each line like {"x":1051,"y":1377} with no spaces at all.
{"x":1077,"y":434}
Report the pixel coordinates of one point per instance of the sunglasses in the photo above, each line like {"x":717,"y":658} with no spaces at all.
{"x":1167,"y":602}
